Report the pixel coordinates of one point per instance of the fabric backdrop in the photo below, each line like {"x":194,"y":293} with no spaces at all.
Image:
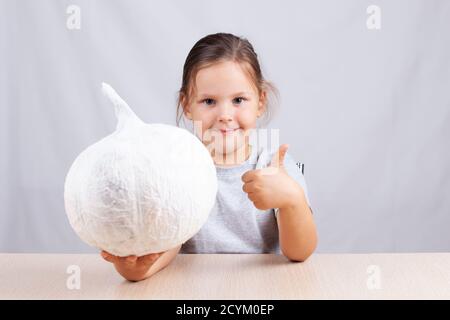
{"x":366,"y":110}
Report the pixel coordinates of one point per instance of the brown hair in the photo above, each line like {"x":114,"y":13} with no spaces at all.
{"x":220,"y":47}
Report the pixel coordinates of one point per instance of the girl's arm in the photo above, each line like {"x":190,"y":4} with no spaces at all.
{"x":297,"y":230}
{"x":273,"y":187}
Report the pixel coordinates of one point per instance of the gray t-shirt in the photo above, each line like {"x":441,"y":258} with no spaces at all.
{"x":235,"y":225}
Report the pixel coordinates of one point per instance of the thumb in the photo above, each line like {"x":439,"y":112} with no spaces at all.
{"x":278,"y":157}
{"x":151,"y":258}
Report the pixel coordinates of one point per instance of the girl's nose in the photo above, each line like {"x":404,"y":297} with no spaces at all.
{"x":225,"y":113}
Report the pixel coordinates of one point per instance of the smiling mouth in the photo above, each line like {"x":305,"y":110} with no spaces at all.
{"x":228,"y":131}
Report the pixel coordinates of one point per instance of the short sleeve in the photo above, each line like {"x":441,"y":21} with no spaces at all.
{"x":295,"y":172}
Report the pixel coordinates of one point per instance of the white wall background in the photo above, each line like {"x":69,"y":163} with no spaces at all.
{"x":367,"y":111}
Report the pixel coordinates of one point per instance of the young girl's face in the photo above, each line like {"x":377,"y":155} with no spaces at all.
{"x":226,"y":105}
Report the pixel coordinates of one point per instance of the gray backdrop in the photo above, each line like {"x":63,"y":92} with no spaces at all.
{"x":367,"y":111}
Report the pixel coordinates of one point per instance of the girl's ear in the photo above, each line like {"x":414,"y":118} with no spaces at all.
{"x":262,"y":103}
{"x":186,"y":107}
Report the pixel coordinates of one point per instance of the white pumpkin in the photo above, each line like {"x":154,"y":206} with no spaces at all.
{"x":145,"y":188}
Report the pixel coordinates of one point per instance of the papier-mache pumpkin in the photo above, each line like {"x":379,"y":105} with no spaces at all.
{"x":145,"y":188}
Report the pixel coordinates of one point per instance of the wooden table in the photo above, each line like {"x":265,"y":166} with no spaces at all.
{"x":231,"y":276}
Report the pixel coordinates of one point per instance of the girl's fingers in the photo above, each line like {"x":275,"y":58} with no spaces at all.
{"x":107,"y":256}
{"x":130,"y":260}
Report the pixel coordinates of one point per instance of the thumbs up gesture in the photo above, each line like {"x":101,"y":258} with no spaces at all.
{"x":272,"y":187}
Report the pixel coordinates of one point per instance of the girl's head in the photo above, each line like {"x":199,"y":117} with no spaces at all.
{"x":223,"y":92}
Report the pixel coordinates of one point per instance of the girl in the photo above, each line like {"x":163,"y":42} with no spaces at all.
{"x":262,"y":204}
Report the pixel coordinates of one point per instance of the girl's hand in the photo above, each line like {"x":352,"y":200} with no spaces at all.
{"x":132,"y":268}
{"x":272,"y":187}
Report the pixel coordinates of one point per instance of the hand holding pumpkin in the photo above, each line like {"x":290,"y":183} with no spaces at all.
{"x":137,"y":266}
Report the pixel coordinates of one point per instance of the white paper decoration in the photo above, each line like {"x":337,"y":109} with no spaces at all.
{"x":145,"y":188}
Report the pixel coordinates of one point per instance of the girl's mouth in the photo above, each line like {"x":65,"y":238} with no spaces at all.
{"x":228,"y":131}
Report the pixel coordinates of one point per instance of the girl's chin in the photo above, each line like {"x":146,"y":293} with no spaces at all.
{"x":233,"y":157}
{"x":229,"y":150}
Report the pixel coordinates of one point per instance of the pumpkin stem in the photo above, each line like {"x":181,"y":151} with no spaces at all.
{"x":123,"y":111}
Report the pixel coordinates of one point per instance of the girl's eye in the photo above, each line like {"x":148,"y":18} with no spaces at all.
{"x":238,"y":100}
{"x":208,"y":101}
